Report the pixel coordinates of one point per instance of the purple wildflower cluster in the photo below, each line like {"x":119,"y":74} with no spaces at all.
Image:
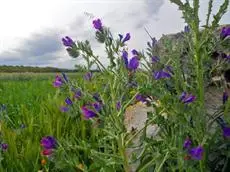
{"x":48,"y":144}
{"x":97,"y":24}
{"x":131,"y":64}
{"x":126,"y":38}
{"x":68,"y":103}
{"x":195,"y":153}
{"x":141,"y":98}
{"x":71,"y":46}
{"x":187,"y":98}
{"x":155,"y":59}
{"x":88,"y":113}
{"x":91,"y":110}
{"x":58,"y":82}
{"x":4,"y":146}
{"x":164,"y":73}
{"x":161,"y":74}
{"x":68,"y":42}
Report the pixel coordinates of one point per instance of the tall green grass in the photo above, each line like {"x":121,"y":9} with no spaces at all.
{"x":30,"y":100}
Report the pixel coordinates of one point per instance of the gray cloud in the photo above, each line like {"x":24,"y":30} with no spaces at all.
{"x":40,"y":45}
{"x":38,"y":49}
{"x":153,"y":6}
{"x":45,"y":48}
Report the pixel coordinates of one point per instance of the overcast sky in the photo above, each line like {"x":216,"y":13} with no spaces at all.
{"x":31,"y":30}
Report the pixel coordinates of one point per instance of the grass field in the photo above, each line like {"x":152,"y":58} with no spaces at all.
{"x":32,"y":110}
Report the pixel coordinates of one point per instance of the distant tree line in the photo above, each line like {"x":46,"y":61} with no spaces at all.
{"x":21,"y":69}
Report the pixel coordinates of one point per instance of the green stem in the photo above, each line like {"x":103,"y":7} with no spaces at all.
{"x":199,"y":67}
{"x":200,"y":79}
{"x":122,"y":148}
{"x":201,"y":166}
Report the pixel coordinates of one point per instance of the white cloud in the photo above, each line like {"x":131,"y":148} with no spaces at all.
{"x":21,"y":20}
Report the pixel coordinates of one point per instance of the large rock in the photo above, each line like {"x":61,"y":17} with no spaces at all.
{"x":135,"y":120}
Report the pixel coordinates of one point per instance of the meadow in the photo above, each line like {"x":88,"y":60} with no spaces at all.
{"x":31,"y":105}
{"x":82,"y":121}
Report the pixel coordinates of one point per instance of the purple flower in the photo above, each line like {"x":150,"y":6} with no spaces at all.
{"x":187,"y":143}
{"x":127,"y":37}
{"x":183,"y":95}
{"x":120,"y":36}
{"x":140,"y":98}
{"x":226,"y":132}
{"x":155,"y":59}
{"x":88,"y":113}
{"x":187,"y":98}
{"x":97,"y":24}
{"x":161,"y":75}
{"x":64,"y":108}
{"x":186,"y":29}
{"x":197,"y":152}
{"x":133,"y":63}
{"x":118,"y":105}
{"x":48,"y":142}
{"x":88,"y":76}
{"x":225,"y":97}
{"x":97,"y":106}
{"x":4,"y":146}
{"x":134,"y":52}
{"x":68,"y":101}
{"x":68,"y":42}
{"x":125,"y":58}
{"x":78,"y":94}
{"x":58,"y":82}
{"x":225,"y":32}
